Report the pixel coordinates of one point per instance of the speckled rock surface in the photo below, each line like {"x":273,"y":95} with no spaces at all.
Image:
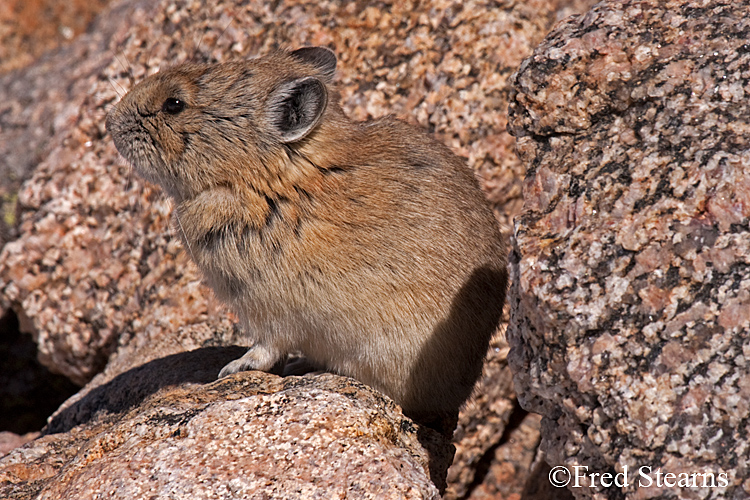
{"x":482,"y":422}
{"x":495,"y":444}
{"x":630,"y":322}
{"x":28,"y":28}
{"x":252,"y":435}
{"x":40,"y":102}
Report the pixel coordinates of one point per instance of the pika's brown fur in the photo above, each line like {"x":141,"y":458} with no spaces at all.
{"x":368,"y":247}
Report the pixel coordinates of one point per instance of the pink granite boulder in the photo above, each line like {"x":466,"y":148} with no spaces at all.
{"x":630,"y":322}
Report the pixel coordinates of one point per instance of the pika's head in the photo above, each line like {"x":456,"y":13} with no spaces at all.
{"x":195,"y":126}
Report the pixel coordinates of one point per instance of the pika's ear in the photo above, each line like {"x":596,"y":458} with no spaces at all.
{"x":296,"y":107}
{"x":322,"y":58}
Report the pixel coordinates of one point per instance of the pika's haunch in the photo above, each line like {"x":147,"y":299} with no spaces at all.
{"x":368,"y":247}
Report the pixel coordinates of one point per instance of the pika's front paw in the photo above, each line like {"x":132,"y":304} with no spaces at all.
{"x":256,"y":358}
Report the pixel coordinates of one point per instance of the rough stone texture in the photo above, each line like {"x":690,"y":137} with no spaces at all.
{"x":630,"y":322}
{"x":483,"y":432}
{"x":252,"y":435}
{"x":40,"y":103}
{"x":538,"y":485}
{"x":29,"y":392}
{"x":28,"y":28}
{"x":96,"y":274}
{"x":505,"y":470}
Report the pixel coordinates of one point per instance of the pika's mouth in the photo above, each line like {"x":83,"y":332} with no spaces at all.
{"x":137,"y":146}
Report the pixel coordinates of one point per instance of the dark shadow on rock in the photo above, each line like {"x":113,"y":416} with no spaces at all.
{"x":464,"y":334}
{"x":441,"y":456}
{"x":129,"y":389}
{"x":29,"y":391}
{"x":539,"y":487}
{"x":201,"y":366}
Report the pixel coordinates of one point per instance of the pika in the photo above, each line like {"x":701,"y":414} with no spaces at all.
{"x":366,"y":246}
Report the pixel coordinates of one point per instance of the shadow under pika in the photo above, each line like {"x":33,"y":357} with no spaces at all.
{"x":460,"y":341}
{"x":129,"y":389}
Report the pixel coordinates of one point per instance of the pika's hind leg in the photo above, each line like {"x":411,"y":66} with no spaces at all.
{"x":258,"y":357}
{"x":298,"y":364}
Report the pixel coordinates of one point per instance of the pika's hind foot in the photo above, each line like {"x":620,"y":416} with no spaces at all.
{"x":297,"y":364}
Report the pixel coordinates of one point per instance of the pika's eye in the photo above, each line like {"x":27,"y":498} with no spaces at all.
{"x":173,"y":106}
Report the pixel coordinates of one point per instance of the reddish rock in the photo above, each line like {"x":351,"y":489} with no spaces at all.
{"x":28,"y":28}
{"x":248,"y":435}
{"x":10,"y":441}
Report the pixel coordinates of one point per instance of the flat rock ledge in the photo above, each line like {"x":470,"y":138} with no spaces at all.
{"x":252,"y":435}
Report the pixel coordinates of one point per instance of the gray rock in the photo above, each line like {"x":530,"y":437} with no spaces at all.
{"x":630,"y":322}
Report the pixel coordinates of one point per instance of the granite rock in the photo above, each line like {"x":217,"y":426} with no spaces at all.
{"x":630,"y":322}
{"x":29,"y":28}
{"x":39,"y":102}
{"x":482,"y":435}
{"x":161,"y":431}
